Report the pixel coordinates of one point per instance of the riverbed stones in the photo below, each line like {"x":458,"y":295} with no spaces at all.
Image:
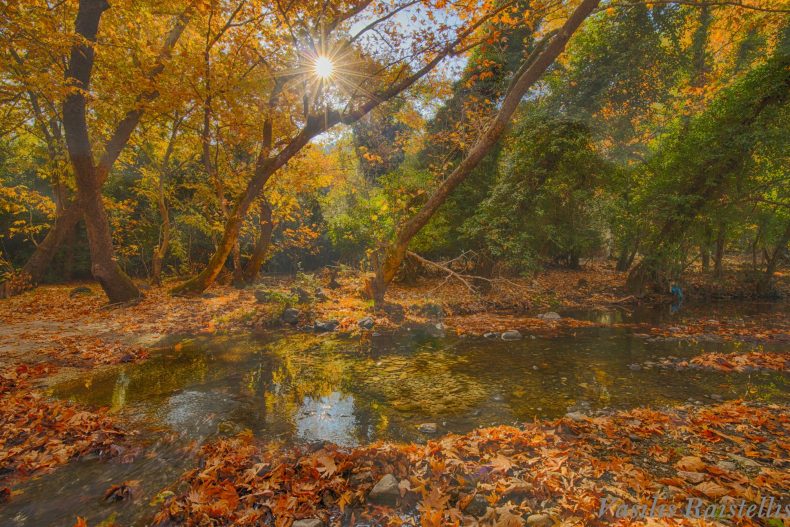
{"x":512,"y":335}
{"x":491,"y":335}
{"x":291,"y":315}
{"x":539,"y":520}
{"x":385,"y":491}
{"x":310,"y":522}
{"x":551,"y":315}
{"x":366,"y":323}
{"x":428,"y":428}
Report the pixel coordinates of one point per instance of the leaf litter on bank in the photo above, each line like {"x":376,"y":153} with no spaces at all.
{"x":556,"y":471}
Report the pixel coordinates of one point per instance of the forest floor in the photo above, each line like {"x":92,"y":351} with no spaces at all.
{"x":56,"y":330}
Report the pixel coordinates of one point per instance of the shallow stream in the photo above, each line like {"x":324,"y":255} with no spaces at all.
{"x":299,"y":388}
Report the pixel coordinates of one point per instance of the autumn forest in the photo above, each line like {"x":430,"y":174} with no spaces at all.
{"x":310,"y":263}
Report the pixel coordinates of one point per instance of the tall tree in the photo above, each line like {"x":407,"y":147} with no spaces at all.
{"x":377,"y":82}
{"x":90,"y":176}
{"x":387,"y":263}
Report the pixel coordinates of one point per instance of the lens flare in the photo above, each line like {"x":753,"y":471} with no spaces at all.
{"x":323,"y":67}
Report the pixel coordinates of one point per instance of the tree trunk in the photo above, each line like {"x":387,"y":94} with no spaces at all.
{"x":161,"y":251}
{"x":87,"y":23}
{"x":387,"y":263}
{"x":117,"y":286}
{"x":164,"y":170}
{"x":764,"y":286}
{"x":262,"y":245}
{"x":718,"y":258}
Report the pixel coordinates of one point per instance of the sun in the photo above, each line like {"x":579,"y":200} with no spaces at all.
{"x":323,"y":67}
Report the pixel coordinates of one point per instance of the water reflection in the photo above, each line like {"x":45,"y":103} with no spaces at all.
{"x":328,"y":418}
{"x":305,"y":388}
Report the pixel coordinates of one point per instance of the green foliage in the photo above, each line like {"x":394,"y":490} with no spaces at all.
{"x":547,"y":203}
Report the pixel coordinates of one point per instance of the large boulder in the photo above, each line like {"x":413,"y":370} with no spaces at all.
{"x":366,"y":323}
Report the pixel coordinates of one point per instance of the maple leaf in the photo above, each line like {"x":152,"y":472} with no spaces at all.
{"x":327,"y":465}
{"x":690,"y":464}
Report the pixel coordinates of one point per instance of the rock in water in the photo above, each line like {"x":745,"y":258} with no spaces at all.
{"x":551,"y":315}
{"x":366,"y":323}
{"x":428,"y":428}
{"x":511,"y":335}
{"x":385,"y":492}
{"x":291,"y":315}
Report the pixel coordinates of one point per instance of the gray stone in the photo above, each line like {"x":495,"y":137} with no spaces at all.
{"x":551,"y":315}
{"x":511,"y":335}
{"x":727,"y":465}
{"x":385,"y":491}
{"x":634,"y":367}
{"x":326,"y":325}
{"x":428,"y":428}
{"x":311,"y":522}
{"x":80,"y":291}
{"x":539,"y":520}
{"x":745,"y":461}
{"x":291,"y":315}
{"x":366,"y":323}
{"x":491,"y":335}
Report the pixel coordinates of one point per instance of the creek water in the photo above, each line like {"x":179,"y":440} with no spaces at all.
{"x":306,"y":388}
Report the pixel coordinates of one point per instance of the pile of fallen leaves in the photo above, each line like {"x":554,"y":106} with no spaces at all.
{"x":542,"y":474}
{"x":735,"y":362}
{"x":765,"y":327}
{"x":38,"y":434}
